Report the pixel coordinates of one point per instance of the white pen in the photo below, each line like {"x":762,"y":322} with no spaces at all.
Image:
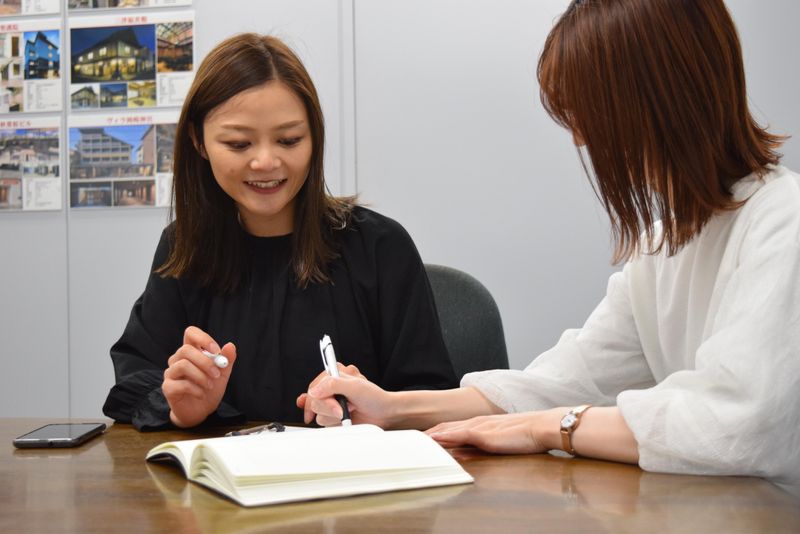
{"x":329,"y":361}
{"x":219,"y":360}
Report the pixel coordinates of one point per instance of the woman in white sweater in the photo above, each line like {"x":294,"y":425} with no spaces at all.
{"x":691,"y":363}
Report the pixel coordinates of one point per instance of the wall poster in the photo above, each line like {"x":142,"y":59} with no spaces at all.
{"x":121,"y":160}
{"x":30,"y":177}
{"x":30,"y":62}
{"x":136,"y":61}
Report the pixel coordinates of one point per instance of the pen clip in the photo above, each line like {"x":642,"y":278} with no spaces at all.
{"x":324,"y":343}
{"x":275,"y":427}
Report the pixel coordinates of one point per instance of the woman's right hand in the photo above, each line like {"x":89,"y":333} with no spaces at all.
{"x":193,"y":385}
{"x":367,"y":402}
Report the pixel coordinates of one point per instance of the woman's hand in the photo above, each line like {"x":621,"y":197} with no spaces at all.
{"x":193,"y":385}
{"x":367,"y":402}
{"x":603,"y":433}
{"x":519,"y":433}
{"x":302,"y":400}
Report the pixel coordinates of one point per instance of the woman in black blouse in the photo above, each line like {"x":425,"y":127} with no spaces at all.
{"x":261,"y":262}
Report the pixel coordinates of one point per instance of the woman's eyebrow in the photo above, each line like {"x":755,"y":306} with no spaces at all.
{"x":242,"y":127}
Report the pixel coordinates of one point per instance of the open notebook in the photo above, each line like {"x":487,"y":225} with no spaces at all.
{"x":271,"y":468}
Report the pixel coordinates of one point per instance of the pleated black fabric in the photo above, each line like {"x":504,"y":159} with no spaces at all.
{"x":378,"y":310}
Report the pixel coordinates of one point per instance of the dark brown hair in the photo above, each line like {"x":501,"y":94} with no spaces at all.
{"x":656,"y":91}
{"x":208,"y":243}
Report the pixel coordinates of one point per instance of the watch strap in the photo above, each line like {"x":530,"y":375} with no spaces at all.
{"x":569,"y":423}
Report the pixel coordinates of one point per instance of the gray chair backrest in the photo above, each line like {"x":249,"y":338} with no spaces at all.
{"x":471,"y":323}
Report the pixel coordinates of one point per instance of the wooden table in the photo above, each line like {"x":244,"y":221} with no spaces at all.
{"x":106,"y":486}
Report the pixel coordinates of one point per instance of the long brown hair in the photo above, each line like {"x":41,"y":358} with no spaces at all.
{"x":208,"y":243}
{"x":656,"y":91}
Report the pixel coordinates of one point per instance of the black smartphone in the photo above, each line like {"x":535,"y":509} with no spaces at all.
{"x":60,"y":435}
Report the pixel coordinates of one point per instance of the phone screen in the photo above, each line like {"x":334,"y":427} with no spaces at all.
{"x":60,"y":434}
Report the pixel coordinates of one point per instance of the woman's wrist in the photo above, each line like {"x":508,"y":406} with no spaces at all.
{"x":177,"y":422}
{"x":602,"y":433}
{"x":410,"y":409}
{"x":547,"y":427}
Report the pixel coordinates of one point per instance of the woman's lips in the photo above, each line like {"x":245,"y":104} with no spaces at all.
{"x":266,"y":187}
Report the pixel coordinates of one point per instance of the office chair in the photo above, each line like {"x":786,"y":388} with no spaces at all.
{"x":471,"y":323}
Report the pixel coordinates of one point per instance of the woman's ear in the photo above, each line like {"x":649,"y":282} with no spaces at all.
{"x":197,"y":144}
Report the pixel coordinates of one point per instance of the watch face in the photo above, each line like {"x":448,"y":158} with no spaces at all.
{"x":568,"y":420}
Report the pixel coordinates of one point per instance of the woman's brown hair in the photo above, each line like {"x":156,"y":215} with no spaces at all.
{"x":656,"y":91}
{"x":208,"y":243}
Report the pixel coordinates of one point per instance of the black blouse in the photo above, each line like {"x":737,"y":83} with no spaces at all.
{"x":378,"y":310}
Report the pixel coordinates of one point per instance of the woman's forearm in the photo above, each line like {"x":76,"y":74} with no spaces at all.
{"x":424,"y":409}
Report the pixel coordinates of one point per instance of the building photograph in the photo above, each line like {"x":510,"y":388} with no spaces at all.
{"x":117,"y":53}
{"x":165,"y":144}
{"x":141,"y":94}
{"x":113,"y":95}
{"x":105,"y":4}
{"x":111,"y":152}
{"x":11,"y":72}
{"x":11,"y":98}
{"x":90,"y":194}
{"x":86,"y":97}
{"x":10,"y":45}
{"x":29,"y":152}
{"x":134,"y":193}
{"x":42,"y":54}
{"x":174,"y":50}
{"x":146,"y":152}
{"x":10,"y":7}
{"x":10,"y":193}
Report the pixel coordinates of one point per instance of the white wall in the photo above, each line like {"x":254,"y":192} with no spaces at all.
{"x":453,"y":142}
{"x":33,"y":314}
{"x":432,"y":113}
{"x":768,"y":31}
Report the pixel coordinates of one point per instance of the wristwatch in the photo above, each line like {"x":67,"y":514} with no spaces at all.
{"x":568,"y":425}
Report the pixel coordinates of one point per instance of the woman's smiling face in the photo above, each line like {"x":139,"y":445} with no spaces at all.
{"x":259,"y":146}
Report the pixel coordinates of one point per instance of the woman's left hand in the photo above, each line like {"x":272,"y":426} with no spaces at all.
{"x":519,"y":433}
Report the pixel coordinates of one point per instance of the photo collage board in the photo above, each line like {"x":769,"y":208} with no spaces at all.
{"x":115,"y":77}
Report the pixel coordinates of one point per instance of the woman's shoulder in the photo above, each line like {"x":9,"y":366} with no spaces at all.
{"x":375,"y":238}
{"x":771,"y":198}
{"x":769,"y":220}
{"x":779,"y":186}
{"x":373,"y":225}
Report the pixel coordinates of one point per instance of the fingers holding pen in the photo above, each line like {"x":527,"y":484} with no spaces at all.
{"x":176,"y":386}
{"x":190,"y":366}
{"x":303,"y":401}
{"x":367,"y":402}
{"x":207,"y":353}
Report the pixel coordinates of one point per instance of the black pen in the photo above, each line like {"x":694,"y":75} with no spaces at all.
{"x":329,"y":361}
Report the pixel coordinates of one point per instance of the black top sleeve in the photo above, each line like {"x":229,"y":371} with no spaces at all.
{"x":412,"y":349}
{"x":153,"y":333}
